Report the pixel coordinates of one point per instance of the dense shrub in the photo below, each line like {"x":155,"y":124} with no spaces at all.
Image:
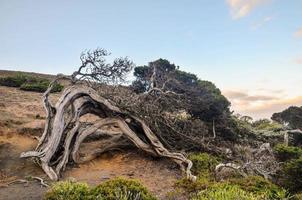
{"x":115,"y":189}
{"x":68,"y":191}
{"x":203,"y":163}
{"x":40,"y":87}
{"x":13,"y":81}
{"x":292,"y":175}
{"x":260,"y":186}
{"x":291,"y":116}
{"x":285,"y":153}
{"x":203,"y":166}
{"x":267,"y":125}
{"x":225,"y":191}
{"x":29,"y":83}
{"x":119,"y":187}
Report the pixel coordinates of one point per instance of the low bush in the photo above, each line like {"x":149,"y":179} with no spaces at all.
{"x":13,"y":81}
{"x":203,"y":163}
{"x":119,"y":187}
{"x":225,"y":191}
{"x":260,"y":186}
{"x":292,"y":175}
{"x":40,"y":87}
{"x":68,"y":191}
{"x":268,"y":125}
{"x":285,"y":153}
{"x":115,"y":189}
{"x":29,"y":83}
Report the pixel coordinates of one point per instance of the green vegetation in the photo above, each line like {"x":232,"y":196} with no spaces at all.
{"x":292,"y":175}
{"x":207,"y":188}
{"x":119,"y":188}
{"x":29,"y":83}
{"x":259,"y":186}
{"x":40,"y":86}
{"x":224,"y":191}
{"x":68,"y":191}
{"x":291,"y":116}
{"x":202,"y":98}
{"x":285,"y":153}
{"x":203,"y":163}
{"x":13,"y":81}
{"x":266,"y":125}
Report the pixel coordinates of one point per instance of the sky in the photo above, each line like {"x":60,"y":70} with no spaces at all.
{"x":250,"y":49}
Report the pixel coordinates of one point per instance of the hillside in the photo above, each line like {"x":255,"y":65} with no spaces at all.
{"x":22,"y":119}
{"x":229,"y":153}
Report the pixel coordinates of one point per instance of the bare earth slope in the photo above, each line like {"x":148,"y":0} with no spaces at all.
{"x":22,"y":118}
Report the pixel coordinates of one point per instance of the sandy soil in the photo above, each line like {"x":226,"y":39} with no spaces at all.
{"x":22,"y":117}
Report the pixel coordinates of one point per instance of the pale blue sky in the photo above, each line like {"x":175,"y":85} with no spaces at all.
{"x":247,"y":47}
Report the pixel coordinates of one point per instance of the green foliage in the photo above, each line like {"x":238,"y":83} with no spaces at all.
{"x":292,"y":175}
{"x":202,"y":99}
{"x":29,"y":83}
{"x":203,"y":166}
{"x":252,"y":187}
{"x":202,"y":182}
{"x":225,"y":191}
{"x":265,"y":124}
{"x":292,"y":116}
{"x":40,"y":86}
{"x":285,"y":153}
{"x":203,"y":163}
{"x":13,"y":81}
{"x":260,"y":186}
{"x":297,"y":196}
{"x":115,"y":189}
{"x":68,"y":191}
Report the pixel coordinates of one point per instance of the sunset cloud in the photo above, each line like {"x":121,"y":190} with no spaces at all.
{"x":298,"y":33}
{"x":261,"y":23}
{"x":260,"y":106}
{"x":241,"y":8}
{"x":298,"y":61}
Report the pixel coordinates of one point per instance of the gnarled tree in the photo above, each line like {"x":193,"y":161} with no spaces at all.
{"x":94,"y":91}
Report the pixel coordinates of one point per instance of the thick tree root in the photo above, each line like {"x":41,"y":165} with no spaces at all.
{"x":64,"y":133}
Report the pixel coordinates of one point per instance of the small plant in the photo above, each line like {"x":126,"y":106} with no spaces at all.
{"x":68,"y":190}
{"x":115,"y":189}
{"x":203,"y":163}
{"x":260,"y":186}
{"x":226,"y":192}
{"x":119,"y":187}
{"x":285,"y":153}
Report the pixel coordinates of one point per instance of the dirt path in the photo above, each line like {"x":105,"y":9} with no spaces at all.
{"x":21,"y":118}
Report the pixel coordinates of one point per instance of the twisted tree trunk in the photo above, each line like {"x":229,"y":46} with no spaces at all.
{"x":64,"y":133}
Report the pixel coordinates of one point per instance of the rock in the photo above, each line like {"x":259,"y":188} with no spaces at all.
{"x":71,"y":179}
{"x":105,"y":177}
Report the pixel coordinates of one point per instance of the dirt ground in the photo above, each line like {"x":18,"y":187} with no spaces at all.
{"x":22,"y":118}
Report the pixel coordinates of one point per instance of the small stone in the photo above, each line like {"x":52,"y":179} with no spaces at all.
{"x":71,"y":179}
{"x":104,"y":177}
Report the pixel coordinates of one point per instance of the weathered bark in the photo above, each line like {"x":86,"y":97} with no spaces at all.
{"x":64,"y":133}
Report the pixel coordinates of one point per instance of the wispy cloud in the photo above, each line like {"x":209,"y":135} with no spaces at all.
{"x":298,"y":33}
{"x":241,"y":8}
{"x":260,"y":106}
{"x":245,"y":97}
{"x":261,"y":23}
{"x":298,"y":61}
